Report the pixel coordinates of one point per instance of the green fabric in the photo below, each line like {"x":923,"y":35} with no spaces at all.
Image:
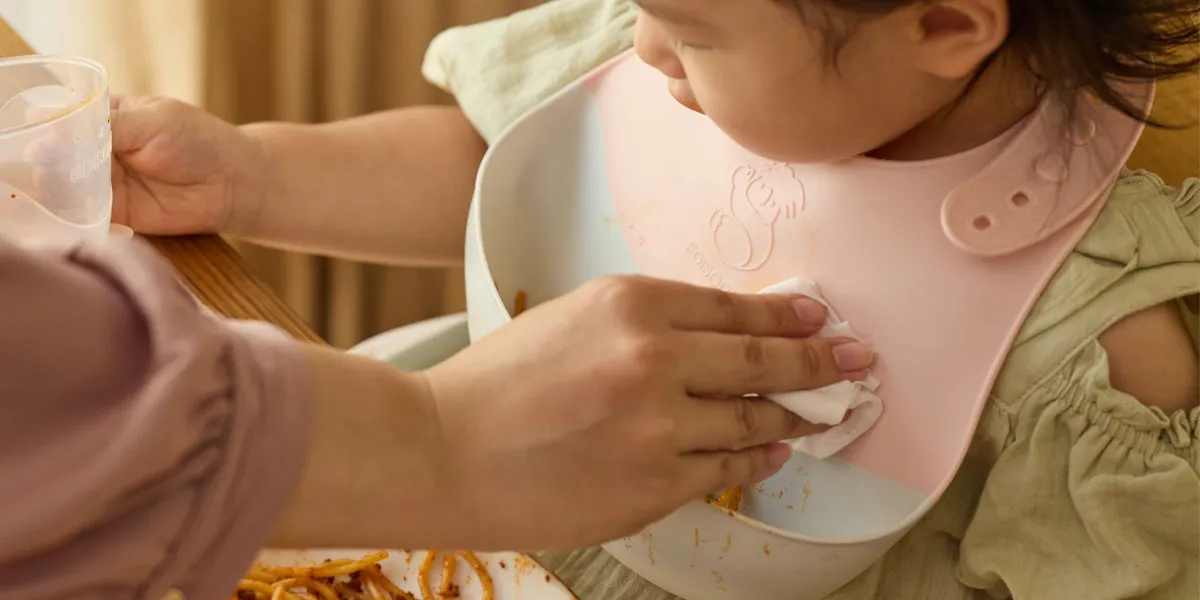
{"x":1072,"y":489}
{"x":502,"y":69}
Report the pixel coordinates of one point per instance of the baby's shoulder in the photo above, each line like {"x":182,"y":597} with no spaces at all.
{"x":1152,"y":355}
{"x":1131,"y":286}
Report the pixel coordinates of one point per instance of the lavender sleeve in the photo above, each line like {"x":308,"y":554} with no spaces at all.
{"x":145,"y":445}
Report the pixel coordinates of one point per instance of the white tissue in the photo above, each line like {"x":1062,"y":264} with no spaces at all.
{"x":850,"y":406}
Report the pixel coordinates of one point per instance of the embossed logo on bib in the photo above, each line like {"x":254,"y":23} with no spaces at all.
{"x":743,"y":230}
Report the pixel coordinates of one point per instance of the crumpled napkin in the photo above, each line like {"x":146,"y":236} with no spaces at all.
{"x":852,"y":407}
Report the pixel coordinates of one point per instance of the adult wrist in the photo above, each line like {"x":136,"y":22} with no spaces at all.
{"x":253,"y":181}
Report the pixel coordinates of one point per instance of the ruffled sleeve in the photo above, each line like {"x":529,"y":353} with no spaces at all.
{"x":1093,"y":494}
{"x":145,"y":445}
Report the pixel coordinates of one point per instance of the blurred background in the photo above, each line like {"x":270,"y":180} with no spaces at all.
{"x":321,"y":60}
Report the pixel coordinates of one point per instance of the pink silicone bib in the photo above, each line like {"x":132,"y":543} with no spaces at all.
{"x":936,"y":263}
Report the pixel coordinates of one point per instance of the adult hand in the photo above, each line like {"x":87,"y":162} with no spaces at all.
{"x":596,"y":414}
{"x":179,"y":170}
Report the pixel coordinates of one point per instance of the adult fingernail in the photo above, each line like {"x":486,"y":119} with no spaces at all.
{"x":810,"y":311}
{"x":777,"y":456}
{"x":853,"y":356}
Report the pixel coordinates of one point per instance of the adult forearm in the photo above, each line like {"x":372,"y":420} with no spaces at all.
{"x":391,"y":187}
{"x":373,"y":476}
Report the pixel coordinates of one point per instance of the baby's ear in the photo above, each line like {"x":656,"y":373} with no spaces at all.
{"x":954,"y":37}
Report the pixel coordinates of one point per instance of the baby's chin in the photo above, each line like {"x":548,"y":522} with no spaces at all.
{"x":770,"y":145}
{"x":790,"y":152}
{"x":683,"y":95}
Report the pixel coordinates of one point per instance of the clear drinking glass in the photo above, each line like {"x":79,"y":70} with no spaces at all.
{"x":55,"y":149}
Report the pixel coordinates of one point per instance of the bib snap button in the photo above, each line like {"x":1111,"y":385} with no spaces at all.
{"x":1052,"y":168}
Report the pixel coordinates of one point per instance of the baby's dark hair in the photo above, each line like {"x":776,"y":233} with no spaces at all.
{"x":1072,"y":45}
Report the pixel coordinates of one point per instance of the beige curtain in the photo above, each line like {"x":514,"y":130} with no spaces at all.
{"x":148,"y":46}
{"x":321,"y":60}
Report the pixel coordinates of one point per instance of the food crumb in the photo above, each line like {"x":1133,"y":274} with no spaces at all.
{"x":767,"y":549}
{"x":524,"y":566}
{"x":719,"y":580}
{"x":649,"y":547}
{"x":520,"y":303}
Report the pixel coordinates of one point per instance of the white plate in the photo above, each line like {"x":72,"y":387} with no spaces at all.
{"x":514,"y":576}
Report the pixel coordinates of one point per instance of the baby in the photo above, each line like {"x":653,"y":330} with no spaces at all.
{"x":1082,"y":482}
{"x":1083,"y":478}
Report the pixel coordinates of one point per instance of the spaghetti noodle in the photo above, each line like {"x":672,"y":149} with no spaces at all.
{"x":362,"y":579}
{"x":447,"y":588}
{"x":343,"y":579}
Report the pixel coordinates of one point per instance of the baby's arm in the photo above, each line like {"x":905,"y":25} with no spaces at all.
{"x":395,"y":186}
{"x":389,"y":187}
